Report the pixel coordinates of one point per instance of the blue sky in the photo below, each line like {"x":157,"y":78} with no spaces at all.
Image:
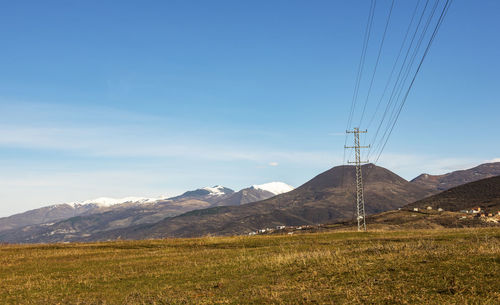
{"x":135,"y":98}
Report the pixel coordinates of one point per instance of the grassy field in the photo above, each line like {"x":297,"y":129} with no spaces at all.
{"x":456,"y":266}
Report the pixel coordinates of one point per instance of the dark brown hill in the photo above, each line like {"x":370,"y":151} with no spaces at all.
{"x":456,"y":178}
{"x":327,"y":197}
{"x":484,"y":193}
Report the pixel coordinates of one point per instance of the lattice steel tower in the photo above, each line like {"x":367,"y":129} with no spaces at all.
{"x":360,"y":201}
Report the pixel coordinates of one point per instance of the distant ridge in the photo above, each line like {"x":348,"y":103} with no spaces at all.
{"x":274,"y":187}
{"x":210,"y":194}
{"x":255,"y":193}
{"x":484,"y":193}
{"x":443,"y":182}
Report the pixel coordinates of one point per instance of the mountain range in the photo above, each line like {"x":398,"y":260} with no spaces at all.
{"x":70,"y":220}
{"x":326,"y":198}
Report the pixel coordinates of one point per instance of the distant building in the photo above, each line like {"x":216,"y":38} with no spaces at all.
{"x":280,"y":227}
{"x":476,"y":210}
{"x":415,"y":209}
{"x":429,"y":208}
{"x":464,"y":211}
{"x":440,"y":210}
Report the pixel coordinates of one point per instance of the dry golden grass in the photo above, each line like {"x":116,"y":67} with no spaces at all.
{"x":397,"y":267}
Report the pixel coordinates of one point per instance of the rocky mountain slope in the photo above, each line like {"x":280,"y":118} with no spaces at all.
{"x":443,"y":182}
{"x":207,"y":194}
{"x":58,"y":212}
{"x":255,"y":193}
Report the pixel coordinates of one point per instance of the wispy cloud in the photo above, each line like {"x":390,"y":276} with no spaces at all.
{"x":143,"y":138}
{"x":128,"y":142}
{"x":411,"y":165}
{"x":493,"y":160}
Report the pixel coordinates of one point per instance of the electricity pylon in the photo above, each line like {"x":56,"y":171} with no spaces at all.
{"x":360,"y":201}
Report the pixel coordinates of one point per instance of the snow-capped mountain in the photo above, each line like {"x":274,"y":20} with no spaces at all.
{"x":54,"y":220}
{"x":218,"y":190}
{"x":274,"y":187}
{"x":57,"y":212}
{"x":108,"y":201}
{"x":209,"y":194}
{"x":255,"y":193}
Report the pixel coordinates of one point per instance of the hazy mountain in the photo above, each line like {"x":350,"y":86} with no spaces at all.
{"x":208,"y":194}
{"x":109,"y":213}
{"x":326,"y":198}
{"x":255,"y":193}
{"x":456,"y":178}
{"x":484,"y":193}
{"x":37,"y":216}
{"x":59,"y":212}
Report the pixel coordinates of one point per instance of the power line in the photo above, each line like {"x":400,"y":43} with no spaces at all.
{"x":398,"y":88}
{"x":396,"y":99}
{"x":398,"y":78}
{"x":395,"y":63}
{"x":359,"y":74}
{"x":377,"y":61}
{"x":362,"y":61}
{"x":436,"y":29}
